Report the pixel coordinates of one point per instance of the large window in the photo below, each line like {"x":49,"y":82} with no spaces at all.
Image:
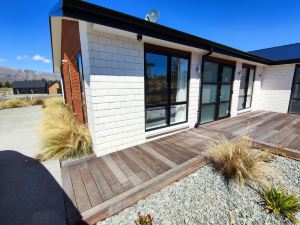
{"x":166,"y":88}
{"x":295,"y":94}
{"x":246,"y":87}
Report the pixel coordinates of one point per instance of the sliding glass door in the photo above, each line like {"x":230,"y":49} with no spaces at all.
{"x":295,"y":94}
{"x":246,"y":87}
{"x":166,"y":88}
{"x":216,"y":91}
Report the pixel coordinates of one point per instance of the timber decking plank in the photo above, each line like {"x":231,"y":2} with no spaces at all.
{"x":134,"y":167}
{"x":81,"y":196}
{"x":157,"y":155}
{"x":165,"y":152}
{"x":141,"y":162}
{"x":69,"y":198}
{"x":100,"y":180}
{"x":122,"y":178}
{"x":135,"y":180}
{"x":155,"y":161}
{"x":110,"y":178}
{"x":90,"y":185}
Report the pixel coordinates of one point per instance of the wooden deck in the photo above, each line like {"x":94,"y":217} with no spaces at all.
{"x":97,"y":188}
{"x":269,"y":128}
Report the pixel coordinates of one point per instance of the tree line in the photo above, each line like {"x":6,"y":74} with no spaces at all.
{"x":6,"y":85}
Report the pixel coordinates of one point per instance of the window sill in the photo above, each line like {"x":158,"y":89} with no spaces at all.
{"x":244,"y":111}
{"x":166,"y":131}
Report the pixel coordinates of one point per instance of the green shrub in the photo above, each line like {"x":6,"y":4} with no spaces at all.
{"x":278,"y":201}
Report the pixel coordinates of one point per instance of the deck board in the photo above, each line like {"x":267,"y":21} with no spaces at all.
{"x":100,"y":187}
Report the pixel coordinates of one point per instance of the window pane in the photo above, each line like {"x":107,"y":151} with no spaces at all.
{"x":296,"y":91}
{"x":209,"y":93}
{"x":295,"y":106}
{"x":297,"y":75}
{"x":156,"y":117}
{"x":210,"y":72}
{"x":250,"y":84}
{"x":224,"y":109}
{"x":156,"y":75}
{"x":248,"y":102}
{"x":241,"y":103}
{"x":208,"y":113}
{"x":225,"y":92}
{"x":243,"y":82}
{"x":179,"y":76}
{"x":178,"y":113}
{"x":227,"y":74}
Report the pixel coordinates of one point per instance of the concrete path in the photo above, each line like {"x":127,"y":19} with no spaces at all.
{"x":30,"y":191}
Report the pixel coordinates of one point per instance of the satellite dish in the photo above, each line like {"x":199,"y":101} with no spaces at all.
{"x":152,"y":16}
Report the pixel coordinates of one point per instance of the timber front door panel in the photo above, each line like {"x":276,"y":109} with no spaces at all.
{"x":216,"y":91}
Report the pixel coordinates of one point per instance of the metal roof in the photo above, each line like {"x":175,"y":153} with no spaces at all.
{"x":30,"y":84}
{"x":279,"y":53}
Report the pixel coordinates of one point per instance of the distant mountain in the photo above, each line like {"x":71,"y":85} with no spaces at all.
{"x":11,"y":75}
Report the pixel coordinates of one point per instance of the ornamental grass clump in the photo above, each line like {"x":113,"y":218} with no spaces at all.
{"x":278,"y":201}
{"x":17,"y":103}
{"x":144,"y":220}
{"x":239,"y":161}
{"x":62,"y":137}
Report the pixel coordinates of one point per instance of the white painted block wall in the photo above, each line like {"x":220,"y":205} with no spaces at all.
{"x":117,"y":90}
{"x":275,"y":90}
{"x":194,"y":89}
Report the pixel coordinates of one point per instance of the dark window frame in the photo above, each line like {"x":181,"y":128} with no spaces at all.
{"x":154,"y":49}
{"x":297,"y":66}
{"x":221,"y":64}
{"x":248,"y":67}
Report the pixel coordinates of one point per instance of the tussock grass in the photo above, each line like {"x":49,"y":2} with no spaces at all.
{"x":17,"y":103}
{"x":62,"y":137}
{"x":239,"y":161}
{"x":278,"y":201}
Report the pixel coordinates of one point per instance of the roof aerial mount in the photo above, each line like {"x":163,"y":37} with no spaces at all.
{"x":152,"y":16}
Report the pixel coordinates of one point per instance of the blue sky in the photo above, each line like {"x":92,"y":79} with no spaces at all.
{"x":246,"y":25}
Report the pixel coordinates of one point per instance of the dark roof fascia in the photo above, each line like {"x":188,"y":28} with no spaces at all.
{"x":288,"y":61}
{"x":100,"y":15}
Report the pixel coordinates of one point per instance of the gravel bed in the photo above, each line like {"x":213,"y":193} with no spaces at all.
{"x":204,"y":197}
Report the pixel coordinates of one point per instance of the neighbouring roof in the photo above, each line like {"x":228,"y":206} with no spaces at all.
{"x":280,"y":53}
{"x":85,"y":11}
{"x":30,"y":84}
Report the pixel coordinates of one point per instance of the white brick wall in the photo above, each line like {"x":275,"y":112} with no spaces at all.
{"x":194,"y":89}
{"x":117,"y":90}
{"x":235,"y":89}
{"x":275,"y":91}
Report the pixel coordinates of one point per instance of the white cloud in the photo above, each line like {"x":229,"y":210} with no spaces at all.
{"x":41,"y":58}
{"x":23,"y":57}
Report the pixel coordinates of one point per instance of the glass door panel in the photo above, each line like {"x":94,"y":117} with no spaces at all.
{"x":208,"y":113}
{"x":295,"y":95}
{"x":216,"y":91}
{"x":209,"y":93}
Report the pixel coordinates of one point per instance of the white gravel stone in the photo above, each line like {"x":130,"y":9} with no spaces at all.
{"x":204,"y":197}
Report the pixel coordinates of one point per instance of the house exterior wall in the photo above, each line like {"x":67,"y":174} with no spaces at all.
{"x":114,"y":75}
{"x":70,"y":47}
{"x":53,"y":89}
{"x":275,"y":88}
{"x":117,"y":91}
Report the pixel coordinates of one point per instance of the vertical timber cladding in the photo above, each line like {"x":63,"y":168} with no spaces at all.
{"x":70,"y":47}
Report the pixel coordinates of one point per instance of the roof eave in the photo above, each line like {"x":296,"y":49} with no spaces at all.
{"x":96,"y":14}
